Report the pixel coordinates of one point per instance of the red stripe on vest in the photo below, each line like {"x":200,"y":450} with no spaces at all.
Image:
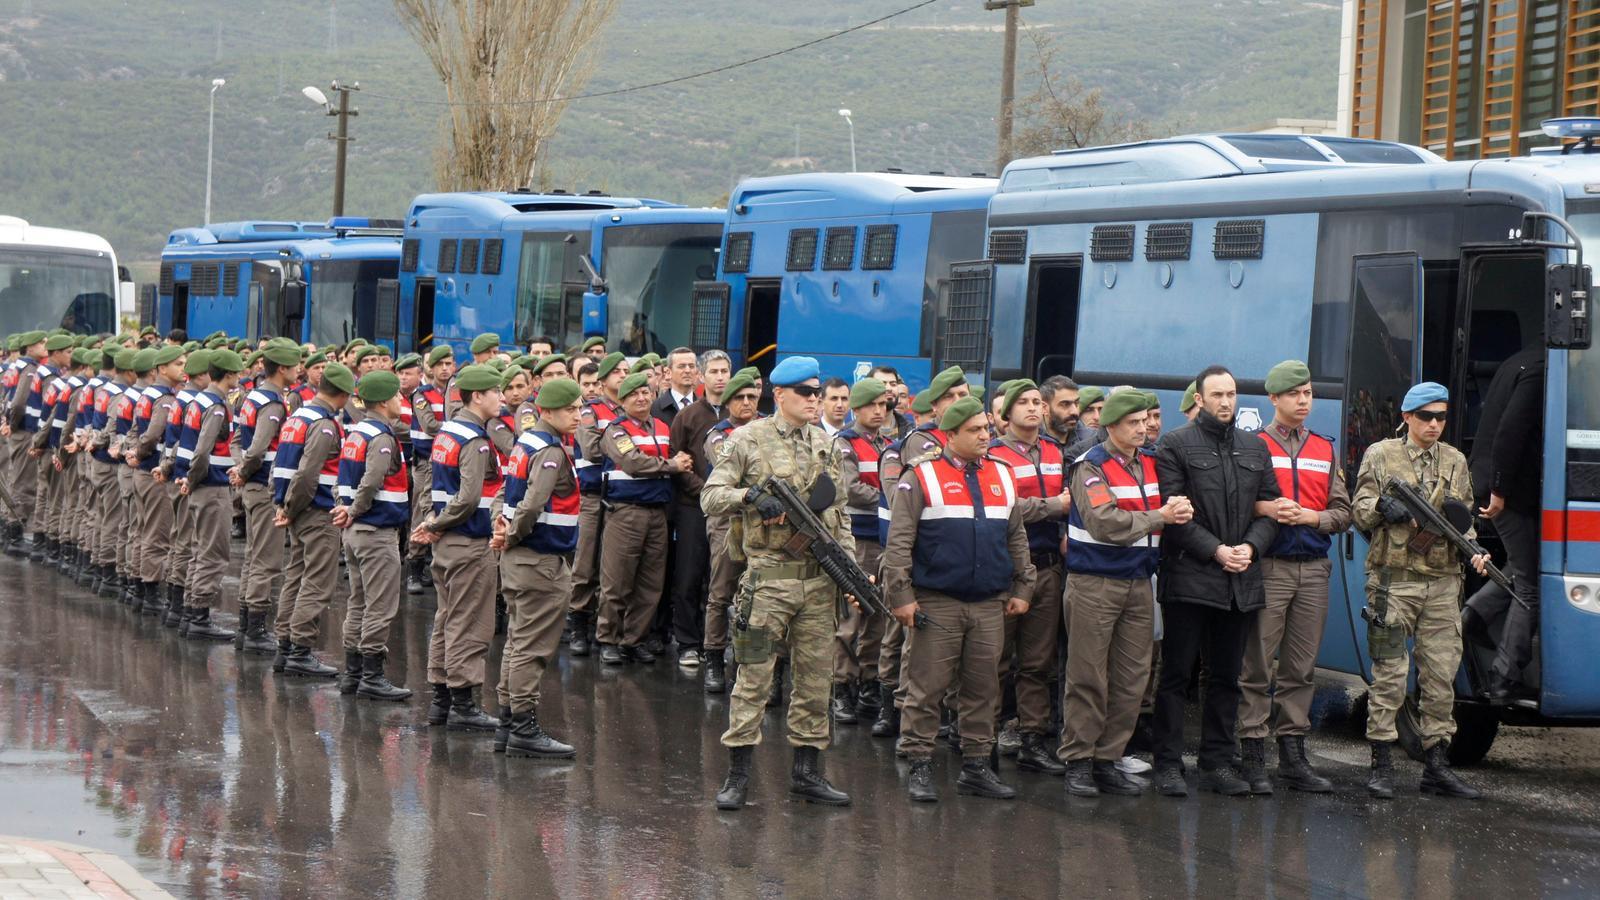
{"x":1304,"y":478}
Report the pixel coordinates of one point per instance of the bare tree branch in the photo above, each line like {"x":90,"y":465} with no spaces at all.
{"x":1062,"y":114}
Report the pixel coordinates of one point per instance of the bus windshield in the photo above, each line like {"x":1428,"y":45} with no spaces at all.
{"x":650,"y":271}
{"x":1583,"y":366}
{"x":344,"y":298}
{"x":43,"y":289}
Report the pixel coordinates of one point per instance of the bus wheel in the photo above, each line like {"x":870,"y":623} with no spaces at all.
{"x":1476,"y":728}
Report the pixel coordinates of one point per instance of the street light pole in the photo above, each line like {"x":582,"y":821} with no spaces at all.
{"x":211,"y":135}
{"x":342,"y":137}
{"x":851,"y":122}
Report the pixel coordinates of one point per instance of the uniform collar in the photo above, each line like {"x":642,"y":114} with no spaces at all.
{"x":1296,"y":433}
{"x":787,"y":430}
{"x":960,"y":463}
{"x":1414,"y":450}
{"x":470,"y":416}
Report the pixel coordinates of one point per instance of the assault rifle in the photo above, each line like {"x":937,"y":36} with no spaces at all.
{"x":1433,"y":522}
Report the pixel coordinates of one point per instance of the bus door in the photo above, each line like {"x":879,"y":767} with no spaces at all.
{"x":1384,"y":361}
{"x":1051,"y":336}
{"x":180,"y":305}
{"x":386,"y":314}
{"x":422,"y":312}
{"x":761,"y":301}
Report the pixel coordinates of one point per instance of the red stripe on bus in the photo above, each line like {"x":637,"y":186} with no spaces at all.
{"x":1571,"y":525}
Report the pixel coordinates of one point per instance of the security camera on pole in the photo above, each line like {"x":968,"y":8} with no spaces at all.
{"x":342,"y":138}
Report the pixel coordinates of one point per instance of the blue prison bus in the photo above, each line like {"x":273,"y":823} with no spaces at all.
{"x":1380,"y":265}
{"x":320,"y":282}
{"x":849,"y":268}
{"x":565,"y":265}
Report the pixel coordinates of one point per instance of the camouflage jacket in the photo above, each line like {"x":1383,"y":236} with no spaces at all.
{"x":797,"y":454}
{"x":1440,"y":473}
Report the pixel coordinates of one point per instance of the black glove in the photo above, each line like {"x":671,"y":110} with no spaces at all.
{"x":765,"y":504}
{"x":1393,"y":511}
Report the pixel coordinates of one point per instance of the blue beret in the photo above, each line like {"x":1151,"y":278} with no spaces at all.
{"x":794,"y":370}
{"x":1423,"y":394}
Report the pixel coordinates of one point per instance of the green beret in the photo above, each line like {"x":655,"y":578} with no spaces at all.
{"x":1187,"y":403}
{"x":57,"y":342}
{"x":632,"y":383}
{"x":959,"y":412}
{"x":143,"y":360}
{"x":124,"y":359}
{"x":365,"y":352}
{"x":483,"y":343}
{"x":383,"y":350}
{"x":227,"y":360}
{"x":1120,"y":404}
{"x":281,"y":354}
{"x":922,"y":403}
{"x":167,"y":354}
{"x":190,"y":346}
{"x":864,"y":391}
{"x":253,"y":358}
{"x":219,"y":333}
{"x":498,"y":364}
{"x":509,"y":374}
{"x":82,"y":340}
{"x":543,"y":363}
{"x":439,"y":354}
{"x":752,"y":371}
{"x":1287,"y":375}
{"x":216,"y":342}
{"x":317,"y":359}
{"x":354,"y":343}
{"x":576,"y":350}
{"x":977,"y":390}
{"x":1013,"y":389}
{"x":11,"y":342}
{"x":29,"y":338}
{"x":1151,"y":401}
{"x":944,"y":381}
{"x":198,"y":363}
{"x":610,"y":363}
{"x":477,"y":378}
{"x":98,"y":359}
{"x":376,"y":387}
{"x":593,"y":342}
{"x":558,"y":393}
{"x":408,"y":361}
{"x":649,"y":359}
{"x":338,"y":377}
{"x":1089,"y":396}
{"x":78,"y":358}
{"x":742,"y":380}
{"x":148,"y":329}
{"x":55,"y":331}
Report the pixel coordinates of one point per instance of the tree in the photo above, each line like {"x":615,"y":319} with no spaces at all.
{"x":1063,"y":114}
{"x":507,"y":66}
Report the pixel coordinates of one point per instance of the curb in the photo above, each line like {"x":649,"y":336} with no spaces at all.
{"x":104,"y":873}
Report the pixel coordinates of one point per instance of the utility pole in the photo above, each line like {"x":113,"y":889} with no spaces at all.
{"x":1008,"y":73}
{"x":341,"y":140}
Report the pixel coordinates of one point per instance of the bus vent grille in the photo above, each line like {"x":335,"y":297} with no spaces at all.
{"x":1168,"y":241}
{"x":879,"y":251}
{"x":802,"y":255}
{"x":965,"y":338}
{"x":203,"y":279}
{"x":1240,"y":239}
{"x":469,"y":256}
{"x":447,"y":256}
{"x":839,"y":253}
{"x":492,"y":249}
{"x":708,"y":328}
{"x":230,"y":279}
{"x":1111,"y":243}
{"x":409,"y":249}
{"x":166,"y":279}
{"x":736,"y":259}
{"x":1008,"y":246}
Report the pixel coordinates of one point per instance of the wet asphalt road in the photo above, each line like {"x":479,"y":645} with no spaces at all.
{"x":215,"y":778}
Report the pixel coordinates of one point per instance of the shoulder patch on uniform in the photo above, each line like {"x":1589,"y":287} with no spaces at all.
{"x":549,"y":464}
{"x":624,"y":444}
{"x":902,"y":486}
{"x":528,"y":421}
{"x":1100,"y":495}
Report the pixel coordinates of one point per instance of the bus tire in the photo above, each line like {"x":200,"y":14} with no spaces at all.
{"x":1476,"y":728}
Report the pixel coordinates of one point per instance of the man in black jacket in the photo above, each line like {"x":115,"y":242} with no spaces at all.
{"x":1505,"y":466}
{"x":1210,"y":581}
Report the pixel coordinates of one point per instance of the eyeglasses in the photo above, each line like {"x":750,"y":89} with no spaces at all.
{"x":806,"y":390}
{"x":1431,"y":416}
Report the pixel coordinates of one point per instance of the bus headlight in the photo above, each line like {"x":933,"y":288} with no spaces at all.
{"x":1584,"y":595}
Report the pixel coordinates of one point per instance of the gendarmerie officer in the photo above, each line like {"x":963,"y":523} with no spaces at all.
{"x":598,"y":415}
{"x":261,"y":416}
{"x":856,"y":694}
{"x":427,"y":410}
{"x":740,"y":398}
{"x":206,"y":436}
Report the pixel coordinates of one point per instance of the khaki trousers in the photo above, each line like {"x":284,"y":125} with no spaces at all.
{"x":1108,"y":664}
{"x":586,"y":562}
{"x":421,"y":502}
{"x":182,"y":552}
{"x":24,"y":477}
{"x":1031,"y":637}
{"x":464,"y":575}
{"x":960,"y":646}
{"x":801,"y":614}
{"x":724,"y":582}
{"x":373,"y":557}
{"x":536,"y":587}
{"x":312,"y":572}
{"x":264,"y":548}
{"x":633,"y":568}
{"x":1290,"y":630}
{"x":155,"y":524}
{"x":111,"y":522}
{"x":129,"y":546}
{"x":1430,"y":612}
{"x":45,"y":513}
{"x":210,"y":532}
{"x":859,"y":640}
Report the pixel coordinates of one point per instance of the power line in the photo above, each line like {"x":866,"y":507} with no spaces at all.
{"x":666,"y":81}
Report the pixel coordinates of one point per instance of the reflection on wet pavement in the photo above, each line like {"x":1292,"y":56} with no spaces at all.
{"x":216,"y":778}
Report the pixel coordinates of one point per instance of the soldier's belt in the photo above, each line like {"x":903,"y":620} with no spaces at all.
{"x":1404,"y":575}
{"x":790,"y":571}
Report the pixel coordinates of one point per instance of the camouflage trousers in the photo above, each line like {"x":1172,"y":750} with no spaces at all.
{"x":801,"y":612}
{"x":1429,"y":612}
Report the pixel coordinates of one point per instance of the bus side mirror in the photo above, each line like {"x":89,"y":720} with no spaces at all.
{"x":294,"y":299}
{"x":594,"y":314}
{"x":1566,"y":294}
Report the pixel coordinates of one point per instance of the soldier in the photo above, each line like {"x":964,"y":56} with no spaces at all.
{"x":373,"y":508}
{"x":546,"y":368}
{"x":859,"y":642}
{"x":595,"y":348}
{"x":483,"y":348}
{"x":110,"y":521}
{"x":1113,"y":549}
{"x":466,"y":478}
{"x":59,"y":482}
{"x":427,"y":408}
{"x":1414,"y":591}
{"x":305,"y":475}
{"x":22,"y":407}
{"x":598,"y":415}
{"x":1036,"y":462}
{"x":310,"y":382}
{"x":1187,"y":405}
{"x":196,"y":371}
{"x":38,"y":424}
{"x":740,"y":399}
{"x":957,"y":553}
{"x":637,"y":483}
{"x":1315,"y":506}
{"x":261,"y":417}
{"x":781,"y":599}
{"x":158,"y":405}
{"x":123,"y":412}
{"x":206,"y":438}
{"x":537,"y":533}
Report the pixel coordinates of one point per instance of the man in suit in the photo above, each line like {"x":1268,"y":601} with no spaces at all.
{"x":683,"y":372}
{"x":691,"y":560}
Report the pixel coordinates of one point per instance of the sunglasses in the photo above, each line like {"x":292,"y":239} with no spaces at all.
{"x":1430,"y":416}
{"x":807,"y":390}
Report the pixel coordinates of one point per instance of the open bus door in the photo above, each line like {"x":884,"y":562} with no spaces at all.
{"x":1050,"y":340}
{"x":762,"y":300}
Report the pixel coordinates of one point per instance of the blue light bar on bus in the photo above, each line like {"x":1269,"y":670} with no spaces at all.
{"x":1571,"y":127}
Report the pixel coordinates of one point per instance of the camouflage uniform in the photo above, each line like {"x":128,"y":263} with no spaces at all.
{"x":780,"y":598}
{"x":1422,"y":592}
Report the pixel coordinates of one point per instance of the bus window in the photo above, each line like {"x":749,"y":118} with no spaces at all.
{"x":46,"y":289}
{"x":651,"y":271}
{"x":1382,"y":363}
{"x":549,"y":261}
{"x":344,"y":298}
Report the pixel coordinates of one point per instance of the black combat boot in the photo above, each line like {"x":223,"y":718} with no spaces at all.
{"x":978,"y":779}
{"x":52,"y":552}
{"x":1380,"y":783}
{"x":86,"y":571}
{"x":66,"y":555}
{"x":427,"y":567}
{"x":578,"y":643}
{"x":350,"y":678}
{"x":40,"y":547}
{"x":806,"y":781}
{"x":1295,"y":769}
{"x":612,"y":655}
{"x":776,"y":697}
{"x":465,"y":714}
{"x":919,"y":784}
{"x":186,"y":613}
{"x":888,"y":723}
{"x":439,"y":706}
{"x":737,"y":783}
{"x":502,"y":734}
{"x":281,"y":660}
{"x":131,"y":591}
{"x":201,"y":628}
{"x":174,"y":617}
{"x":1036,"y":756}
{"x":1171,"y":783}
{"x":868,"y":699}
{"x":257,"y":639}
{"x":238,"y":528}
{"x":1112,"y":780}
{"x":138,"y":593}
{"x":529,"y":740}
{"x":1224,"y":780}
{"x":374,"y":685}
{"x":414,"y":576}
{"x":844,"y":704}
{"x":501,"y":617}
{"x":641,"y":653}
{"x":302,"y":662}
{"x":1080,"y":778}
{"x":97,"y":579}
{"x":13,"y":540}
{"x":1253,"y":765}
{"x":716,"y":672}
{"x":1438,"y":778}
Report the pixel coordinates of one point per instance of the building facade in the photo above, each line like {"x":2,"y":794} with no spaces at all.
{"x":1467,"y":78}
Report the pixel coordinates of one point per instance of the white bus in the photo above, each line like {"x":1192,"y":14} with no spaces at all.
{"x":54,"y":278}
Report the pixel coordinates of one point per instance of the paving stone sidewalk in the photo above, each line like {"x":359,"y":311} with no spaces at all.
{"x":32,"y":869}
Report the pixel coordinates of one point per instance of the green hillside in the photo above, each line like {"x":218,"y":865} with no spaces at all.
{"x":105,"y":101}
